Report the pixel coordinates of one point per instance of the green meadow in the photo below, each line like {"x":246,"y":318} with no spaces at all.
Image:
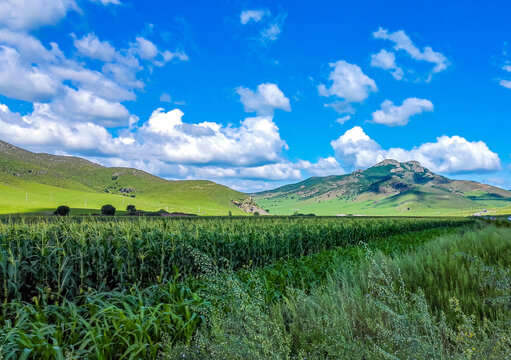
{"x":31,"y":197}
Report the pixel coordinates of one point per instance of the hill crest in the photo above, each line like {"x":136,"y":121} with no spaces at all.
{"x":389,"y":187}
{"x":40,"y":182}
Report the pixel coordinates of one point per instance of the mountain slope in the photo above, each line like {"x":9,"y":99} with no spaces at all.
{"x":40,"y":182}
{"x":388,"y":188}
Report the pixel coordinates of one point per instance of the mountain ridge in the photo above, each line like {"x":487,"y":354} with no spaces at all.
{"x":387,"y":188}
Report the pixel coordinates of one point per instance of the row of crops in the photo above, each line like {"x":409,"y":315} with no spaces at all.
{"x":69,"y":258}
{"x":117,"y":289}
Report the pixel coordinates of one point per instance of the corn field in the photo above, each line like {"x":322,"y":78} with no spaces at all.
{"x":69,"y":258}
{"x":117,"y":289}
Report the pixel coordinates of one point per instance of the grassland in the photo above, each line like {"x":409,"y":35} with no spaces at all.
{"x":31,"y":182}
{"x":196,"y":197}
{"x":246,"y":288}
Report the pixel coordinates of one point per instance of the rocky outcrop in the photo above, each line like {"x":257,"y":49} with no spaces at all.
{"x":249,"y":206}
{"x":128,"y":190}
{"x":388,"y":162}
{"x":415,"y":166}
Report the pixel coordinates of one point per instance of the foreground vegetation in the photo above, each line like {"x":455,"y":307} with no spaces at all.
{"x":253,"y":288}
{"x":447,"y":300}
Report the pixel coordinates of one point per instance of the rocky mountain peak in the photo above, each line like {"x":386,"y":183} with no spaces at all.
{"x":415,"y":166}
{"x":388,"y":162}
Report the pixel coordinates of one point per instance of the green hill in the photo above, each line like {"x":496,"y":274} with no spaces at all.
{"x":388,"y":188}
{"x":31,"y":182}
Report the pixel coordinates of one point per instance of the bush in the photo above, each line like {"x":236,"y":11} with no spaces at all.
{"x":62,"y":210}
{"x":131,"y":209}
{"x":108,"y":210}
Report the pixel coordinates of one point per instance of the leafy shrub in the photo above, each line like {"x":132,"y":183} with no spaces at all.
{"x":62,"y":210}
{"x":108,"y":210}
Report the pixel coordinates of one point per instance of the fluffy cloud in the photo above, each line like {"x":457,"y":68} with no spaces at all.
{"x":393,"y":115}
{"x":264,"y":100}
{"x":107,"y":2}
{"x":147,"y":50}
{"x":252,"y":15}
{"x":323,"y":167}
{"x":452,"y":154}
{"x":34,"y":73}
{"x":30,"y":14}
{"x":505,"y":83}
{"x":387,"y":60}
{"x":403,"y":42}
{"x":343,"y":119}
{"x":356,"y":149}
{"x":256,"y":141}
{"x":42,"y":71}
{"x":349,"y":83}
{"x":93,"y":48}
{"x":43,"y":130}
{"x":22,"y":80}
{"x":85,"y":106}
{"x":272,"y":172}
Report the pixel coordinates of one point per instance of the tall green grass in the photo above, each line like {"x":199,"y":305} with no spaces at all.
{"x":450,"y":299}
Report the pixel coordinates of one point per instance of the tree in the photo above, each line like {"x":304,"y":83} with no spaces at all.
{"x":62,"y":210}
{"x":108,"y":210}
{"x":131,"y":209}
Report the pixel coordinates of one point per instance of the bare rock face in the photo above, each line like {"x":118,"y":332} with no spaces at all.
{"x":415,"y":166}
{"x":388,"y":162}
{"x":249,"y":206}
{"x":128,"y":190}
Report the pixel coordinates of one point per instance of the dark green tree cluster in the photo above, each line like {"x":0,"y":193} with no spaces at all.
{"x":108,"y":210}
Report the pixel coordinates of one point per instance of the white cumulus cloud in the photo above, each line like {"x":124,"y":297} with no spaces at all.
{"x":403,"y":42}
{"x":505,"y":83}
{"x":387,"y":60}
{"x":349,"y":83}
{"x":92,"y":47}
{"x":21,"y":80}
{"x":264,"y":100}
{"x":394,"y":115}
{"x":31,"y":14}
{"x":255,"y":141}
{"x":449,"y":154}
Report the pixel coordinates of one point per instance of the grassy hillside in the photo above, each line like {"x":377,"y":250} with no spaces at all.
{"x":388,"y":188}
{"x":31,"y":182}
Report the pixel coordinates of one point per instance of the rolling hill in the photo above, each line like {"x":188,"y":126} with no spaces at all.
{"x":388,"y":188}
{"x":32,"y":182}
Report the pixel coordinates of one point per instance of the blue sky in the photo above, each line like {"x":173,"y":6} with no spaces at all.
{"x":255,"y":94}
